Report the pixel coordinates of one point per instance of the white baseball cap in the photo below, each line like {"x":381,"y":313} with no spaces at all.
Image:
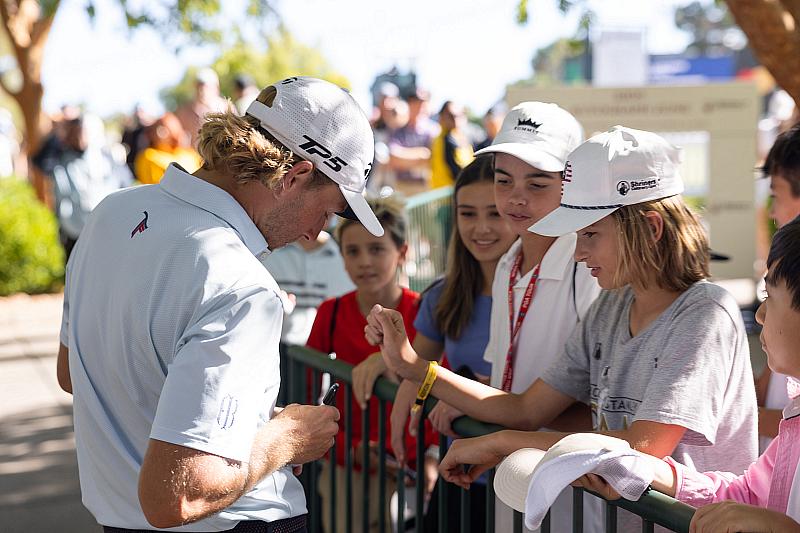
{"x":619,"y":167}
{"x":513,"y":476}
{"x":322,"y":123}
{"x":530,"y":480}
{"x":540,"y":134}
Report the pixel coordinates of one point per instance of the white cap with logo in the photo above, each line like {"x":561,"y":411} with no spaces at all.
{"x":619,"y":167}
{"x":322,"y":123}
{"x":538,"y":133}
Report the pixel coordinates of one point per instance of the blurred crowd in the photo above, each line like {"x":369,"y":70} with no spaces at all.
{"x":416,"y":150}
{"x":417,"y":147}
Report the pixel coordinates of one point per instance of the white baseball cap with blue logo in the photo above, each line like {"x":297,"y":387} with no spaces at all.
{"x":619,"y":167}
{"x":322,"y":123}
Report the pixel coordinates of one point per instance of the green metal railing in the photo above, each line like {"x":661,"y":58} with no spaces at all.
{"x":653,"y":507}
{"x":429,"y":226}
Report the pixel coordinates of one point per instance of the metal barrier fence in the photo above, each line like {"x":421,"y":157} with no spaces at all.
{"x":429,"y":226}
{"x":653,"y":507}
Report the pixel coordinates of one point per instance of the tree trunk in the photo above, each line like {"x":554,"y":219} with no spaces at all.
{"x":27,"y":28}
{"x":773,"y":35}
{"x":29,"y":99}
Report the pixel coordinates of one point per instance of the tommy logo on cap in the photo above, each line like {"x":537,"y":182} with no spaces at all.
{"x":527,"y":124}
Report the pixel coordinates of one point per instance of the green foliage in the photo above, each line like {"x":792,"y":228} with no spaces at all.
{"x":711,"y":26}
{"x":284,"y":57}
{"x":522,"y":9}
{"x":31,"y":258}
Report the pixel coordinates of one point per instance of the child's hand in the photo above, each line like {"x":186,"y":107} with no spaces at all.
{"x":442,"y":416}
{"x":478,"y":453}
{"x":730,"y":517}
{"x":598,"y":485}
{"x":365,"y":374}
{"x":385,"y":328}
{"x":401,"y":409}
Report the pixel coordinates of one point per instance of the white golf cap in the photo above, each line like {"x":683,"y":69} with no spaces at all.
{"x":322,"y":123}
{"x":540,"y":134}
{"x":513,"y":477}
{"x":619,"y":167}
{"x":530,"y":480}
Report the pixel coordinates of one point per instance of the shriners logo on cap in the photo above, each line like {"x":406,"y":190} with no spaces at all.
{"x":528,"y":125}
{"x":623,"y":188}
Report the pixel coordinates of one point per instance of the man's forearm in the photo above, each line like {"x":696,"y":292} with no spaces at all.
{"x":179,"y":485}
{"x":273,"y":448}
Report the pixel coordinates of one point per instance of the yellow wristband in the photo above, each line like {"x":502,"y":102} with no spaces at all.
{"x":427,"y":385}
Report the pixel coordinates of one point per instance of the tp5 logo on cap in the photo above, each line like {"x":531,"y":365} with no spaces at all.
{"x":312,"y":147}
{"x":322,"y":123}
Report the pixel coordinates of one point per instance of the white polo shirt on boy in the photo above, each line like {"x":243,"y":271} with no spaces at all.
{"x":552,"y":316}
{"x":312,"y":276}
{"x":172,"y":325}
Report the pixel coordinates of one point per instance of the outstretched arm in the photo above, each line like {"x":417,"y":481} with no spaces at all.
{"x":533,"y":409}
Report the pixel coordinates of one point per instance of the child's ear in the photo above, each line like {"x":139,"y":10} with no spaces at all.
{"x":656,"y":224}
{"x":403,"y":250}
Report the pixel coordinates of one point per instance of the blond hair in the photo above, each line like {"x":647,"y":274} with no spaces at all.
{"x":390,"y":212}
{"x":676,"y":261}
{"x":239,"y":146}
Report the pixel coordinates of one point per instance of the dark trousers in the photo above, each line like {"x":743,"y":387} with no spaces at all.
{"x":296,"y":524}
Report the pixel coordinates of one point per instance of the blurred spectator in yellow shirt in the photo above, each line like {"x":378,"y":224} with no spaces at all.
{"x":167,"y":145}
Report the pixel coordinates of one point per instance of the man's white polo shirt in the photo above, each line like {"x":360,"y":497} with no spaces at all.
{"x":172,"y":325}
{"x":552,"y":316}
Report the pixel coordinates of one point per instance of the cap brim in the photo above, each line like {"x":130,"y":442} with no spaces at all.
{"x":564,"y":220}
{"x":530,"y":153}
{"x":716,"y":256}
{"x":513,"y":476}
{"x":359,"y":210}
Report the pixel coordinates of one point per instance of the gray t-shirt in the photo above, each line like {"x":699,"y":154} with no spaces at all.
{"x":689,"y":367}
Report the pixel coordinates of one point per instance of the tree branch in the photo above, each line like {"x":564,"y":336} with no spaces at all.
{"x":7,"y":90}
{"x":4,"y":14}
{"x":41,"y":27}
{"x":775,"y":43}
{"x":793,"y":7}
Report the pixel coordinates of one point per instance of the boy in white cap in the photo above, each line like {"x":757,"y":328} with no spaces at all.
{"x":169,"y":339}
{"x":538,"y":288}
{"x":662,"y":359}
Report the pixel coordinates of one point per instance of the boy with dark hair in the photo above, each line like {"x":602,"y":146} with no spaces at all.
{"x":782,"y":167}
{"x":767,"y":493}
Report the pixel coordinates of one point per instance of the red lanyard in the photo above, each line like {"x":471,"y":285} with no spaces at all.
{"x":508,"y":372}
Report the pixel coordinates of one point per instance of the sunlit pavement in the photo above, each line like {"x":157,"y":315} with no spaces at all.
{"x":39,"y":489}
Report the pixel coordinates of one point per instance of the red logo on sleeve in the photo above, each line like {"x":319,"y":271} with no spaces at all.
{"x":141,"y":226}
